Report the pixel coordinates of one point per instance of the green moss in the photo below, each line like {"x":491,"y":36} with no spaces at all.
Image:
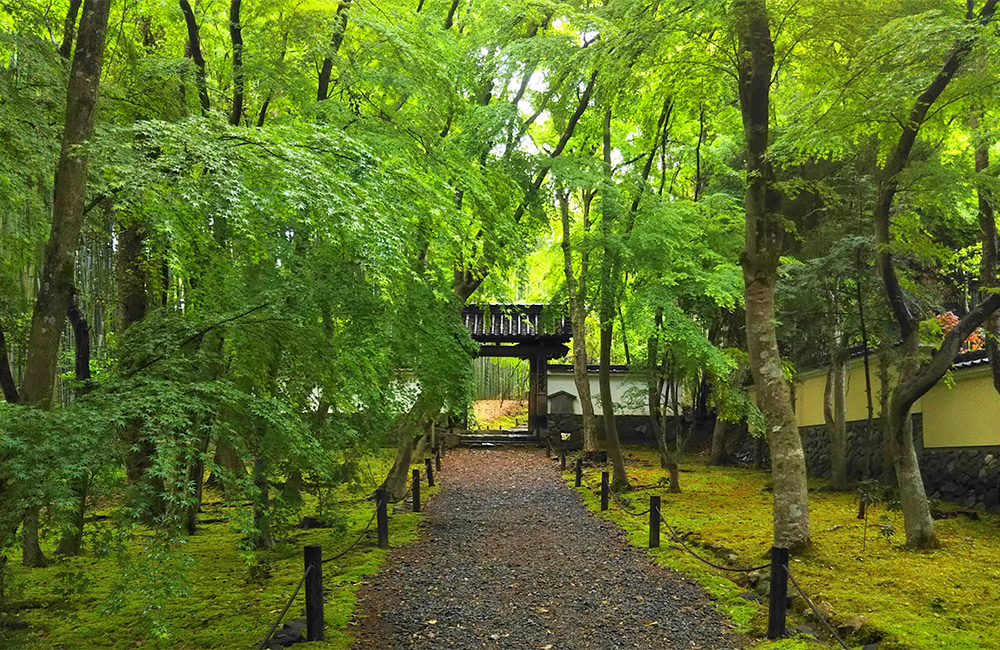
{"x":215,"y":603}
{"x":945,"y":599}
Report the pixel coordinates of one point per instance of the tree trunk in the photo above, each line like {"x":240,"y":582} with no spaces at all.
{"x":31,"y":552}
{"x":194,"y":51}
{"x":132,"y":305}
{"x":52,"y":301}
{"x":262,"y":539}
{"x":988,"y":237}
{"x":70,"y":188}
{"x":450,"y":20}
{"x":720,"y":456}
{"x":239,"y":79}
{"x":578,"y":317}
{"x":916,"y":379}
{"x":869,"y":425}
{"x":196,"y":479}
{"x":913,"y":499}
{"x":396,"y":481}
{"x":764,"y":232}
{"x":757,"y":447}
{"x":835,"y":414}
{"x":72,"y":539}
{"x":420,"y":448}
{"x":620,"y":479}
{"x":835,"y":397}
{"x":69,"y":29}
{"x":232,"y":466}
{"x":887,"y":453}
{"x":291,"y":491}
{"x":71,"y":542}
{"x":323,"y":87}
{"x":6,"y":377}
{"x":667,"y":460}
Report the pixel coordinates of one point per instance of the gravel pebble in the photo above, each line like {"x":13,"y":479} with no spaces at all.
{"x":508,"y":557}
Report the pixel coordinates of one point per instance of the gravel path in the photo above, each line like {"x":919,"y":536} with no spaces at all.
{"x":509,"y":558}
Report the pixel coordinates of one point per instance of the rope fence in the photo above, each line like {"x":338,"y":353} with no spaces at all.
{"x":819,"y":616}
{"x":285,"y":609}
{"x":312,"y":578}
{"x":780,"y":575}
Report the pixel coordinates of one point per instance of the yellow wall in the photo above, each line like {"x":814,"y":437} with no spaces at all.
{"x":809,"y":399}
{"x":965,"y":415}
{"x":809,"y":388}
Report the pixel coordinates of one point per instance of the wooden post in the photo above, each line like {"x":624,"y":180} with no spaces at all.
{"x":562,"y":460}
{"x":441,"y":447}
{"x":437,"y":460}
{"x":429,"y":470}
{"x":548,"y":446}
{"x":778,"y":601}
{"x":542,"y":401}
{"x":654,"y":522}
{"x":381,"y":508}
{"x":416,"y":490}
{"x":314,"y":593}
{"x":533,"y":427}
{"x":604,"y":490}
{"x":579,"y":471}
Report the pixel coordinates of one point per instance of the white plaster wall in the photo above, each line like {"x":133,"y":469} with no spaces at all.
{"x":627,"y":391}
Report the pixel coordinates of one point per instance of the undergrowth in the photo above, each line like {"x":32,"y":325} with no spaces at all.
{"x":205,"y":591}
{"x":947,"y":599}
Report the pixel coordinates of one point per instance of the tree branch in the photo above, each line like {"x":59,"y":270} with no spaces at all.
{"x":194,"y":50}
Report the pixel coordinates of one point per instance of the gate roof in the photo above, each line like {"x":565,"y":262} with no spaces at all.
{"x":516,"y":323}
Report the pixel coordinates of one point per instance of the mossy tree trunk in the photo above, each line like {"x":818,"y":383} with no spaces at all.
{"x":988,"y":236}
{"x":71,"y":541}
{"x":835,"y":398}
{"x":761,"y":252}
{"x":55,"y":292}
{"x":835,"y":415}
{"x":668,"y":460}
{"x":916,"y":378}
{"x":607,"y":311}
{"x":577,"y":292}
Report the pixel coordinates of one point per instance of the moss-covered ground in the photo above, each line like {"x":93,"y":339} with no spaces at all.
{"x":205,"y":592}
{"x":946,"y":599}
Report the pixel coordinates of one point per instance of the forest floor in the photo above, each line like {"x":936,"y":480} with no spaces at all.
{"x":873,"y":590}
{"x":134,"y":590}
{"x":500,"y":413}
{"x":505,"y":554}
{"x":508,"y":557}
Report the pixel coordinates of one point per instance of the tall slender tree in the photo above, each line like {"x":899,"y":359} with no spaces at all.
{"x":761,"y":253}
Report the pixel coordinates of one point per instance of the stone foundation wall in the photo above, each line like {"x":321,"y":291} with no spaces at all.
{"x":864,"y":454}
{"x":968,"y":476}
{"x":632,"y":429}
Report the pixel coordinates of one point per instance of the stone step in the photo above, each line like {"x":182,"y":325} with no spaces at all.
{"x":497,"y":438}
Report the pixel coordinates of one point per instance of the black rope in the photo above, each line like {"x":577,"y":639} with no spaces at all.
{"x":680,"y":541}
{"x":624,"y":508}
{"x":815,"y":611}
{"x":308,"y":569}
{"x":355,"y":542}
{"x":285,"y":610}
